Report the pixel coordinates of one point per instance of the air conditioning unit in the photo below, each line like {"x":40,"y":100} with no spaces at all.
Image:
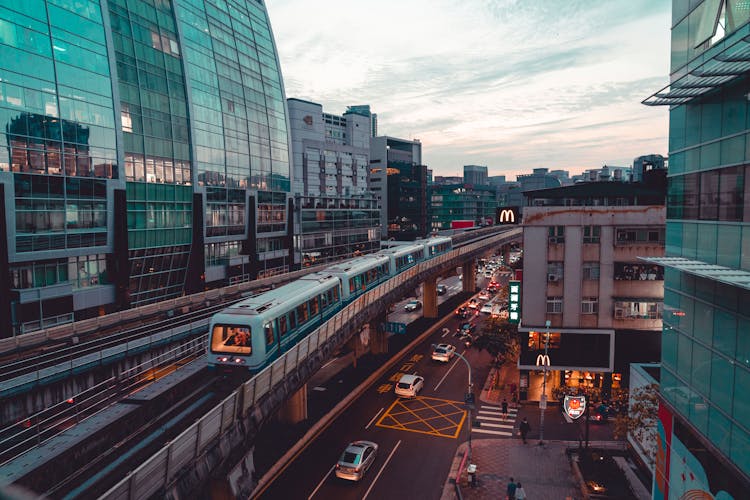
{"x":551,"y":277}
{"x":619,"y":313}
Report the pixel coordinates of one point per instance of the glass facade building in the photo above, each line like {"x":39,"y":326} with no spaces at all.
{"x":705,"y":372}
{"x":144,"y":154}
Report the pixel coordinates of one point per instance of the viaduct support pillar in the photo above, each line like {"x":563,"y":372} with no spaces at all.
{"x":429,"y":297}
{"x":378,"y":339}
{"x":506,"y":255}
{"x":294,"y":409}
{"x":469,"y":277}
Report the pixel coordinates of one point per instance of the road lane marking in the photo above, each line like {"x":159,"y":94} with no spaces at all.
{"x":373,"y":418}
{"x":491,"y":407}
{"x":381,"y":469}
{"x":449,"y":370}
{"x":499,"y":433}
{"x":321,"y":483}
{"x":446,"y":331}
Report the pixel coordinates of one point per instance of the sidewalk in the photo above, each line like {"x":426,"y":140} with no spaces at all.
{"x":544,"y":471}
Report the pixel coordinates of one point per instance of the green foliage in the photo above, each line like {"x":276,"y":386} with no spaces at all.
{"x":499,"y":338}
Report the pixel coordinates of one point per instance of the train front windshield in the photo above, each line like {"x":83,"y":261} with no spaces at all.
{"x":231,"y":339}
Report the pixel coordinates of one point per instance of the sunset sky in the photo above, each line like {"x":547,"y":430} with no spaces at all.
{"x":510,"y":84}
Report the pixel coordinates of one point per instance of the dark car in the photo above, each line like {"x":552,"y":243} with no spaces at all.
{"x":466,"y":328}
{"x":442,"y":289}
{"x":600,"y":414}
{"x":462,"y":312}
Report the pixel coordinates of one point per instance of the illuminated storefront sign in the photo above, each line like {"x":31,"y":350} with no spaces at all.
{"x":508,"y":215}
{"x":514,"y":301}
{"x":574,"y":405}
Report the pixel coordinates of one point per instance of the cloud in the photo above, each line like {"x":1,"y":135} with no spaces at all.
{"x":510,"y":84}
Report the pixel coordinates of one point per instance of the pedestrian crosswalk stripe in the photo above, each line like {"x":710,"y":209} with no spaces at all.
{"x":499,"y":433}
{"x":493,"y":412}
{"x":490,"y":407}
{"x":502,"y":426}
{"x":496,"y":419}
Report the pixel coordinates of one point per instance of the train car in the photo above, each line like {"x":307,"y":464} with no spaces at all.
{"x":360,"y":274}
{"x":257,"y":330}
{"x":403,"y":257}
{"x":436,"y":246}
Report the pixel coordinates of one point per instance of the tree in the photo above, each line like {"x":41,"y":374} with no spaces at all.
{"x":640,"y":420}
{"x":498,"y":338}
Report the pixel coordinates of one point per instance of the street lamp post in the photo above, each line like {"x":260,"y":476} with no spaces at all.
{"x":543,"y":399}
{"x":469,"y":394}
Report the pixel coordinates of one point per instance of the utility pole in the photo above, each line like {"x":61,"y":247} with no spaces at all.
{"x":544,"y":361}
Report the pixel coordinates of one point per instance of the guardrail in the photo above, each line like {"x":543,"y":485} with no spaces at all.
{"x":157,"y":473}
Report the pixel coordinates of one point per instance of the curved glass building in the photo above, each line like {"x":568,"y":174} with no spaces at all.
{"x":144,"y":154}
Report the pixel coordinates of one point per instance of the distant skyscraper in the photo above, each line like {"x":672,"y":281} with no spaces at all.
{"x":704,"y":430}
{"x":399,"y":180}
{"x":145,"y":154}
{"x":364,"y":110}
{"x":475,"y":175}
{"x":336,"y":216}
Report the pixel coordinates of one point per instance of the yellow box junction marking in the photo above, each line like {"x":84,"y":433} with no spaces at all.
{"x":433,"y":416}
{"x":383,"y":388}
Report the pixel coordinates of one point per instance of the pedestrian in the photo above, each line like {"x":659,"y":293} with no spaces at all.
{"x":520,"y":492}
{"x":505,"y":408}
{"x":511,"y":489}
{"x":524,"y":429}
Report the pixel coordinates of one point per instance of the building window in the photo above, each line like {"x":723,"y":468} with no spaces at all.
{"x":592,"y":234}
{"x":638,"y":272}
{"x":590,"y":271}
{"x":554,"y":271}
{"x":590,"y":305}
{"x":638,"y":309}
{"x":639,"y":235}
{"x":554,"y":305}
{"x":557,"y":234}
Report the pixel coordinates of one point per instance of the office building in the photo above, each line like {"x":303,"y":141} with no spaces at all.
{"x":582,"y":273}
{"x":461,"y":204}
{"x":145,"y":154}
{"x":476,"y":175}
{"x":704,"y":435}
{"x":399,"y":181}
{"x":336,"y":216}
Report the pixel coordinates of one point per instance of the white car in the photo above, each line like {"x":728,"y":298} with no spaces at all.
{"x":443,"y":352}
{"x":484,"y":295}
{"x":486,"y":309}
{"x":409,"y":385}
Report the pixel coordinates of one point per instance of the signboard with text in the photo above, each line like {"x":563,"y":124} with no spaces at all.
{"x":574,"y":406}
{"x":514,"y":301}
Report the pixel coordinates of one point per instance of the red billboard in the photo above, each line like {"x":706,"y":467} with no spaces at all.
{"x":461,"y":224}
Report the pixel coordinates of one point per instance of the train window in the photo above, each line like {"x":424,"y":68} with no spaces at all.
{"x":336,"y":294}
{"x":292,"y":320}
{"x":352,"y":285}
{"x":314,"y":306}
{"x":282,"y":325}
{"x":231,"y":338}
{"x":268,"y":331}
{"x":323,"y":301}
{"x":302,"y":313}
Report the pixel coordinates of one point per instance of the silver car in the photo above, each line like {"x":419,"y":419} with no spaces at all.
{"x":356,"y":459}
{"x":409,"y":386}
{"x":443,"y":352}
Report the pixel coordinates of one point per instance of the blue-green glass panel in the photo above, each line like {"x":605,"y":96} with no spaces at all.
{"x":719,"y":430}
{"x":704,"y":322}
{"x":740,"y":448}
{"x":741,"y":403}
{"x":689,"y":240}
{"x":684,"y":356}
{"x":722,"y":383}
{"x":743,"y":341}
{"x":728,"y":241}
{"x":701,"y":373}
{"x":706,"y":243}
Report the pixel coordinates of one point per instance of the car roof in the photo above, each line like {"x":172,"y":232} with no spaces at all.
{"x":444,"y":346}
{"x":408,"y":379}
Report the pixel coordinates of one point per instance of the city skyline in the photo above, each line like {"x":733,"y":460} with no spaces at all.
{"x":568,"y":100}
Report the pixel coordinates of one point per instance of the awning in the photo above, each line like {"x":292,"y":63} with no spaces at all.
{"x":722,"y":274}
{"x":731,"y":62}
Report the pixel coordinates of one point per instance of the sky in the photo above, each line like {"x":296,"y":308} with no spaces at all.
{"x":510,"y":84}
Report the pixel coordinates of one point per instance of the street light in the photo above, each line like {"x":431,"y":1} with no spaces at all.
{"x":469,"y":399}
{"x":544,"y":361}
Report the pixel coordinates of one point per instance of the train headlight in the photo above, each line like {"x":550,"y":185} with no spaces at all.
{"x":239,"y":360}
{"x":223,"y":359}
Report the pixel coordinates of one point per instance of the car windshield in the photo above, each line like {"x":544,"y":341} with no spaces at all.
{"x":441,"y":350}
{"x":403,"y":385}
{"x":350,"y":458}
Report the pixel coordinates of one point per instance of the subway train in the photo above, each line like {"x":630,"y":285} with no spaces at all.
{"x":252,"y":333}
